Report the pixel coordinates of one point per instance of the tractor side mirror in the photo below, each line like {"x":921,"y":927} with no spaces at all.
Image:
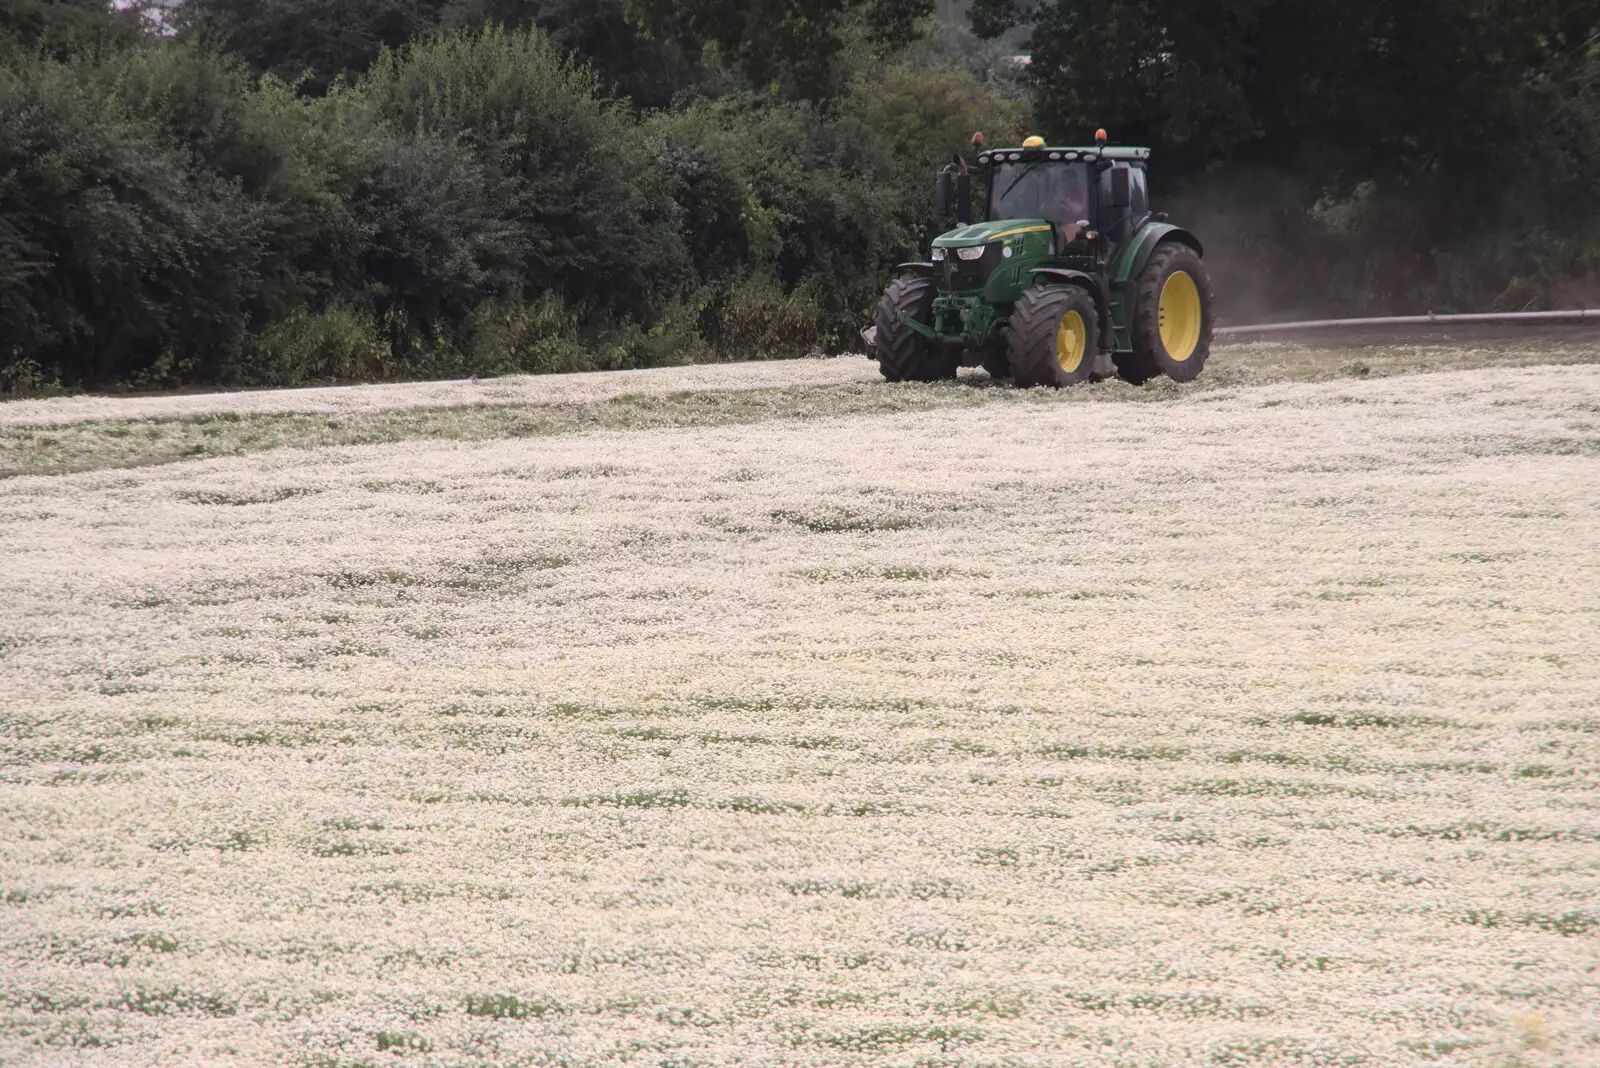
{"x":964,"y":199}
{"x":943,"y":197}
{"x":1121,"y":186}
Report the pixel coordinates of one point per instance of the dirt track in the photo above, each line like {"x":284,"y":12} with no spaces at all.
{"x":1469,"y":336}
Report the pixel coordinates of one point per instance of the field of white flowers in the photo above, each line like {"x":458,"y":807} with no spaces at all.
{"x":772,"y":716}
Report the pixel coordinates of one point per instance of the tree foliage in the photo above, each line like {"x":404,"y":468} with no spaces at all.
{"x":60,"y":27}
{"x":646,"y":70}
{"x":473,"y":202}
{"x":1400,"y":154}
{"x":308,"y":41}
{"x":1357,"y":86}
{"x":593,"y":217}
{"x":792,"y":44}
{"x":116,"y":255}
{"x":313,"y":42}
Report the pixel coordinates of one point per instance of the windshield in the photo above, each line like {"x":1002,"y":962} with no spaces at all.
{"x":1057,"y":192}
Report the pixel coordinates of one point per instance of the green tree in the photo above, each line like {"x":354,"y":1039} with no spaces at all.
{"x":648,"y":71}
{"x":1398,"y":155}
{"x":594,"y":215}
{"x":795,"y":45}
{"x":311,"y":40}
{"x":1354,"y":87}
{"x":116,"y":259}
{"x":59,"y":27}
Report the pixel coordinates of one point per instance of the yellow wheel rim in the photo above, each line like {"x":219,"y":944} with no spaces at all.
{"x":1071,"y":339}
{"x":1180,"y":316}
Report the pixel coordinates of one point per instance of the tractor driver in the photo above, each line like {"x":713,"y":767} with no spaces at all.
{"x":1067,"y":204}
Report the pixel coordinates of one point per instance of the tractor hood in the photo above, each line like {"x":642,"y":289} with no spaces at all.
{"x":984,"y":232}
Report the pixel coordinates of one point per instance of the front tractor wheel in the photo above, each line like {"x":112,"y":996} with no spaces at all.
{"x":1054,"y":337}
{"x":1172,"y":319}
{"x":903,"y":354}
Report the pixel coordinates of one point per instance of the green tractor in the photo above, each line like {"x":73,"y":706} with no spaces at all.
{"x":1070,"y":279}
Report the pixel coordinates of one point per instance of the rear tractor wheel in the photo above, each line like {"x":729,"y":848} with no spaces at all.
{"x":1054,"y":337}
{"x":903,"y":354}
{"x":1172,"y":318}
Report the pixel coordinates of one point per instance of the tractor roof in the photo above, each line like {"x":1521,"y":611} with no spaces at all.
{"x":1069,"y":155}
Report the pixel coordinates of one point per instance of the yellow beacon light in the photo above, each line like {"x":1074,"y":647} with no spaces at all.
{"x":1033,"y":142}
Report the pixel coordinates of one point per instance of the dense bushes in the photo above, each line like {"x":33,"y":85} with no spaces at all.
{"x":473,"y":204}
{"x":61,"y":27}
{"x":283,"y":191}
{"x":570,"y":174}
{"x":117,"y":258}
{"x":308,"y":42}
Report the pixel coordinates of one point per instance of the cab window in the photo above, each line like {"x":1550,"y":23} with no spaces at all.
{"x":1055,"y":192}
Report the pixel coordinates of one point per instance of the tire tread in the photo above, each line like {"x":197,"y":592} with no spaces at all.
{"x":903,"y":354}
{"x":1032,"y":332}
{"x":1149,"y":356}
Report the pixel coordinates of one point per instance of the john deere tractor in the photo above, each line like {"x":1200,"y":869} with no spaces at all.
{"x":1070,"y":277}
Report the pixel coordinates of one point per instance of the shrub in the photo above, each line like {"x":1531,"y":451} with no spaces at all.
{"x":473,"y":206}
{"x":821,"y":201}
{"x":594,"y":217}
{"x":116,"y":260}
{"x":437,"y":238}
{"x":311,"y":42}
{"x":757,"y":320}
{"x":295,"y":163}
{"x":340,"y":344}
{"x":541,"y":337}
{"x":61,"y":27}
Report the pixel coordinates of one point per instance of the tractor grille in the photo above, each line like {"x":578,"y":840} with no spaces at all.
{"x":963,"y":274}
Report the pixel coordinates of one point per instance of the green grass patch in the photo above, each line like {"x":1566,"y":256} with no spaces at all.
{"x":175,"y":1001}
{"x":889,"y":1039}
{"x":403,"y":1042}
{"x":1270,"y":788}
{"x":237,"y":500}
{"x":1240,"y":756}
{"x":759,"y":806}
{"x":892,"y":573}
{"x":1360,"y":719}
{"x":509,"y":1007}
{"x":241,"y":842}
{"x":1470,"y":830}
{"x":357,"y":580}
{"x":1071,"y":751}
{"x":1565,"y":924}
{"x":356,"y":849}
{"x":638,"y":799}
{"x":844,"y":521}
{"x":501,"y":573}
{"x":154,"y":941}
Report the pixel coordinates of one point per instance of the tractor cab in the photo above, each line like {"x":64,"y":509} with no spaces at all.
{"x":1080,"y":193}
{"x":1068,"y":277}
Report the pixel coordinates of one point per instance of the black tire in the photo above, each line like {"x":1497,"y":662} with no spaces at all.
{"x":903,"y":354}
{"x":1037,"y":336}
{"x":1174,"y":274}
{"x":994,"y":359}
{"x":1135,"y":367}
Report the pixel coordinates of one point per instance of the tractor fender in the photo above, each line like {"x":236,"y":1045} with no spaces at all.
{"x":927,"y":270}
{"x":1095,"y":284}
{"x":1144,"y":245}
